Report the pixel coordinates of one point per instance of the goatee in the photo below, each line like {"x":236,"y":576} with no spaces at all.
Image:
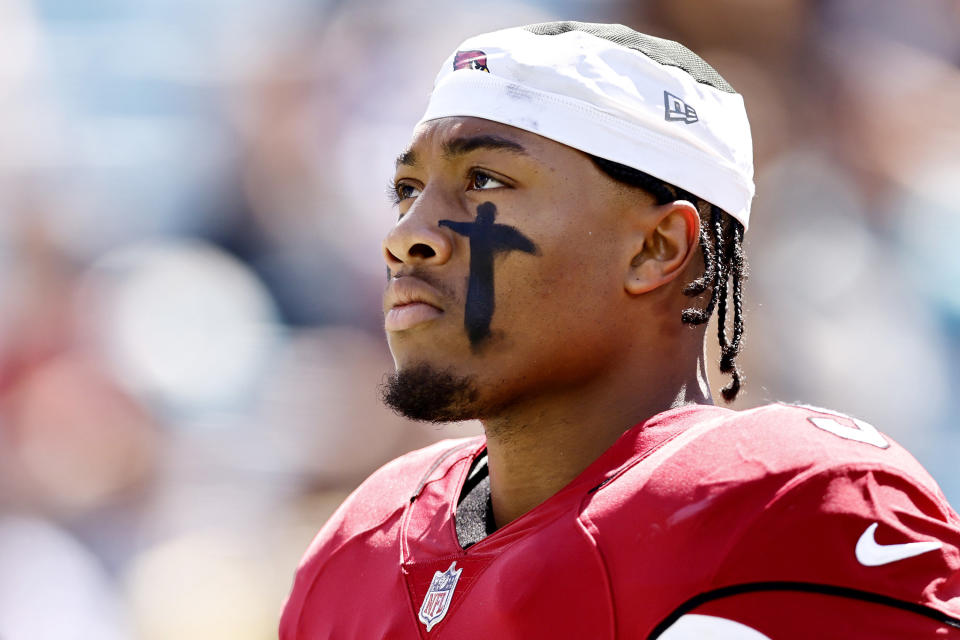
{"x":424,"y":393}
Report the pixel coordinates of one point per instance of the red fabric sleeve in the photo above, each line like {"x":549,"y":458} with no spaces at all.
{"x":782,"y":614}
{"x":848,"y":529}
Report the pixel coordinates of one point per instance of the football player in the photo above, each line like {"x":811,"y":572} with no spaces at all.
{"x":571,"y":212}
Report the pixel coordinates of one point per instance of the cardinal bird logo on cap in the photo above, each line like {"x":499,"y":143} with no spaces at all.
{"x":470,"y":60}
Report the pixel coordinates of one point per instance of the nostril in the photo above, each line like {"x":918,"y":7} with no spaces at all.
{"x":391,"y":259}
{"x":422,"y":251}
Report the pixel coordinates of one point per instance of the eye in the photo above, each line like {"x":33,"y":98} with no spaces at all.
{"x":405,"y":191}
{"x":480,"y":180}
{"x":397,"y":192}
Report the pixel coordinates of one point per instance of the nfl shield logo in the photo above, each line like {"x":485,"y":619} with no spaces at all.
{"x":437,"y":600}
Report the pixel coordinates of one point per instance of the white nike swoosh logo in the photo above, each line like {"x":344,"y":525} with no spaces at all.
{"x":871,"y":554}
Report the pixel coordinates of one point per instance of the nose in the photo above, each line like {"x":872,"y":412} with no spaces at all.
{"x":417,"y":240}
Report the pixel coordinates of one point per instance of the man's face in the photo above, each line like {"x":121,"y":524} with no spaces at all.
{"x":507,"y":263}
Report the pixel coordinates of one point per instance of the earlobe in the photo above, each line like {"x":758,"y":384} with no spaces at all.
{"x":664,"y":250}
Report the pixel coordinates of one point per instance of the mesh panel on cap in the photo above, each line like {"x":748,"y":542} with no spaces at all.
{"x":666,"y":52}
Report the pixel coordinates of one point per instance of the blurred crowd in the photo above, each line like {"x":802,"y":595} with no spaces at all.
{"x":191,"y":208}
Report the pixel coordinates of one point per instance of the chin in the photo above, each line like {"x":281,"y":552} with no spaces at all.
{"x":427,"y":393}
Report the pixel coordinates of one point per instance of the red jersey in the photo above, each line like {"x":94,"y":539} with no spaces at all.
{"x":781,"y":522}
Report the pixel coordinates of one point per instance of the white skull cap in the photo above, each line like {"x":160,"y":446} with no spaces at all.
{"x":607,"y":90}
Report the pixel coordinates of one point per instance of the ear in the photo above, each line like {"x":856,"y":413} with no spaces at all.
{"x":663,"y":246}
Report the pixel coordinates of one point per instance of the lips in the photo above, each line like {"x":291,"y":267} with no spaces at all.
{"x":409,"y":302}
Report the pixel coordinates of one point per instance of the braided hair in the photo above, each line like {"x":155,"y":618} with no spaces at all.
{"x":725,"y":266}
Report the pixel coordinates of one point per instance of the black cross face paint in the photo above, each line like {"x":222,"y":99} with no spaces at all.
{"x":486,"y":240}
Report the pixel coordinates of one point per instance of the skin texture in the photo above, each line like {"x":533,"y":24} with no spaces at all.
{"x":586,"y":338}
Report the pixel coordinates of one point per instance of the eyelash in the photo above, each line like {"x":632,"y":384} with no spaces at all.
{"x":394,"y":186}
{"x":393,"y":192}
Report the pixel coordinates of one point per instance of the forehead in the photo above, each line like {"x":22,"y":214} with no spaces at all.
{"x":454,"y":136}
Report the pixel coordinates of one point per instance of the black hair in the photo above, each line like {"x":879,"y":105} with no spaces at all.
{"x":724,"y":265}
{"x":430,"y":395}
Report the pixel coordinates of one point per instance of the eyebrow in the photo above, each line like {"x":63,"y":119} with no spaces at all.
{"x":408,"y":159}
{"x":462,"y":146}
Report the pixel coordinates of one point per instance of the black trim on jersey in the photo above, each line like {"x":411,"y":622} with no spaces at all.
{"x":474,"y":514}
{"x":436,"y":463}
{"x":805,"y":587}
{"x":602,"y":484}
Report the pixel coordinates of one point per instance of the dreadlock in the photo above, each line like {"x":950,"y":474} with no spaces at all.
{"x":724,"y":265}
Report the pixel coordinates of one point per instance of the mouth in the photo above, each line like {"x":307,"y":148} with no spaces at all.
{"x":406,"y":316}
{"x":409,"y":302}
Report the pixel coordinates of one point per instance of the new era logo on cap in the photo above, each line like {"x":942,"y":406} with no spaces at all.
{"x":676,"y":109}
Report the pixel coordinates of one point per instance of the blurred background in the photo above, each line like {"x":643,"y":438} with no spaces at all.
{"x":191,"y":208}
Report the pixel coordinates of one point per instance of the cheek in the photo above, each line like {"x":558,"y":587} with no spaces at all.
{"x":574,"y":280}
{"x":559,"y":320}
{"x":566,"y":288}
{"x":579,"y":264}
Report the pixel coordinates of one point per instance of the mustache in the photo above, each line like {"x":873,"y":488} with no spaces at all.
{"x":431,"y":279}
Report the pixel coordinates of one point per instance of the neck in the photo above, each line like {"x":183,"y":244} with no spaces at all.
{"x":536,"y":448}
